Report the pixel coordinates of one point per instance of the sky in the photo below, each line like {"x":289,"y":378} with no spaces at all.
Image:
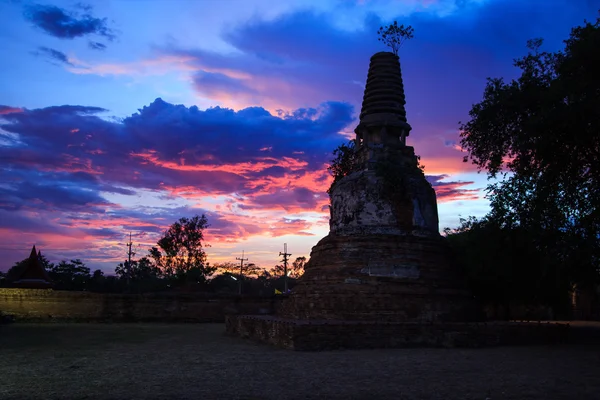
{"x":124,"y":116}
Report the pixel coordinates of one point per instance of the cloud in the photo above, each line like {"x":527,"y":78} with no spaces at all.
{"x":9,"y":110}
{"x":251,"y":169}
{"x":53,"y":54}
{"x":248,"y":170}
{"x":453,"y":190}
{"x":303,"y":58}
{"x":150,"y":67}
{"x":50,"y":197}
{"x":445,"y":66}
{"x":63,"y":24}
{"x":251,"y":172}
{"x":96,"y":45}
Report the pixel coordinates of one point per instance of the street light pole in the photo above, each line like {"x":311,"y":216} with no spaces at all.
{"x":285,"y":255}
{"x":241,"y":260}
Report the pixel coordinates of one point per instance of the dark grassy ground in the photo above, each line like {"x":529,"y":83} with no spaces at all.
{"x":152,"y":361}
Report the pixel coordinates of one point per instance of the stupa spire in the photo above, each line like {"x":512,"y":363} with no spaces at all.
{"x":383,"y":128}
{"x":384,"y":100}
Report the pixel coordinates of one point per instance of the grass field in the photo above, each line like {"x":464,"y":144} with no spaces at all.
{"x":196,"y":361}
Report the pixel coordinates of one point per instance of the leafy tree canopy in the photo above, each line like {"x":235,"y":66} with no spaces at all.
{"x":182,"y":249}
{"x":540,"y":134}
{"x":248,"y":269}
{"x":72,"y":275}
{"x":138,"y":270}
{"x":506,"y":265}
{"x":343,"y":163}
{"x":295,"y":269}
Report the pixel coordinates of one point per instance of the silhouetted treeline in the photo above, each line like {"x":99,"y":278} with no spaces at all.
{"x":142,"y":276}
{"x":538,"y":138}
{"x":177,"y":263}
{"x":519,"y":266}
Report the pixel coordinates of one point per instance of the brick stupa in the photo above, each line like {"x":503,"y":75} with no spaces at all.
{"x":383,"y":276}
{"x":384,"y":259}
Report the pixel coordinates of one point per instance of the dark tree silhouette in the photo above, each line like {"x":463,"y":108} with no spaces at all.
{"x":394,"y":36}
{"x":73,"y":275}
{"x":97,"y":281}
{"x":298,"y":267}
{"x":140,"y":270}
{"x":231,"y":268}
{"x":181,"y":249}
{"x":2,"y":279}
{"x":540,"y":134}
{"x":295,"y":269}
{"x":343,"y":163}
{"x":504,"y":266}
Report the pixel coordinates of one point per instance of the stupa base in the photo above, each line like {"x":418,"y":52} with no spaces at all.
{"x":315,"y":335}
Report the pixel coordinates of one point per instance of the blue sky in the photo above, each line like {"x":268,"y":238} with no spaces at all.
{"x":121,"y":116}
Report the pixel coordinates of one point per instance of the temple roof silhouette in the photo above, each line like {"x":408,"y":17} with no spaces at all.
{"x":30,"y":273}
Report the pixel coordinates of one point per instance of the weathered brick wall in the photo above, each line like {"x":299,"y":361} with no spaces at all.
{"x":50,"y":305}
{"x":296,"y":335}
{"x":381,"y":278}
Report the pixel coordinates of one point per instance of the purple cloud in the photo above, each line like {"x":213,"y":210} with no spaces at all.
{"x":53,"y":55}
{"x":96,"y":45}
{"x":164,"y":147}
{"x":62,"y":24}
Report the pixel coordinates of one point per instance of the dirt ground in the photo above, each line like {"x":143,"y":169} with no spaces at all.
{"x":197,"y":361}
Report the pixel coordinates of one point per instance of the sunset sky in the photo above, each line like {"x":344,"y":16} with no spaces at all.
{"x":123,"y":116}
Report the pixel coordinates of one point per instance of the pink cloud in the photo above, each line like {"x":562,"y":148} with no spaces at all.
{"x":9,"y":110}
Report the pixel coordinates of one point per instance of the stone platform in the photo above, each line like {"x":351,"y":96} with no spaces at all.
{"x":315,"y":335}
{"x":384,"y":278}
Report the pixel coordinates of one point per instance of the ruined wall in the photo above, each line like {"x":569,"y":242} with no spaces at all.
{"x":50,"y":305}
{"x":390,"y":197}
{"x":333,"y":335}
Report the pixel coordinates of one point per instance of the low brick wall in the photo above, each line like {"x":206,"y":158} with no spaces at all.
{"x":51,"y":305}
{"x":306,"y":335}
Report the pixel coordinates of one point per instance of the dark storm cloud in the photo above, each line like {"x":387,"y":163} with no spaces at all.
{"x":49,"y":196}
{"x":188,"y":135}
{"x":63,"y":24}
{"x":167,"y":147}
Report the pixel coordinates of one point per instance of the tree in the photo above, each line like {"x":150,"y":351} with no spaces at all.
{"x":73,"y":275}
{"x":343,"y":163}
{"x":540,"y":136}
{"x":44,"y":261}
{"x":504,"y":266}
{"x":394,"y":36}
{"x":298,"y":267}
{"x":248,"y":269}
{"x":227,"y":267}
{"x":140,"y":270}
{"x":224,"y":283}
{"x":181,"y":249}
{"x":295,"y":270}
{"x":97,"y":280}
